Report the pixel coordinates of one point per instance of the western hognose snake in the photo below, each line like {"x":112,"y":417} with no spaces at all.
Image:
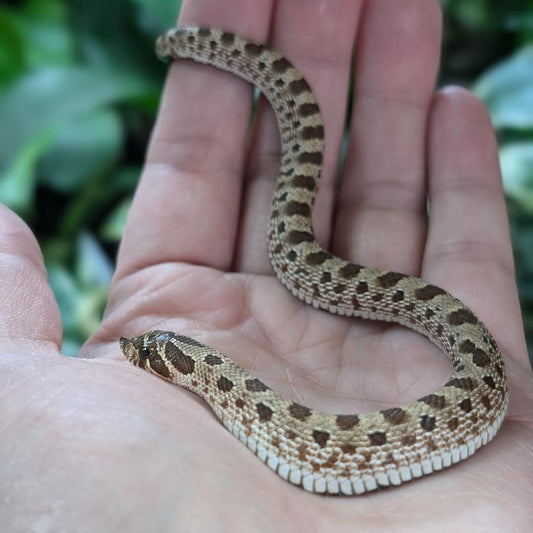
{"x":326,"y":453}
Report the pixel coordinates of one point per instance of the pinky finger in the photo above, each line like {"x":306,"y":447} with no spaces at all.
{"x":468,"y":250}
{"x":29,"y":315}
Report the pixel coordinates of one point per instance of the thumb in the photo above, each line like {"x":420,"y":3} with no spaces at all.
{"x":29,"y":311}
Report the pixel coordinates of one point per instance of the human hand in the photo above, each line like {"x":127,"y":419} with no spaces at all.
{"x":193,"y":260}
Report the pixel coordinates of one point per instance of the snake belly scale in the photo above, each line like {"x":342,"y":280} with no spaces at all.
{"x":321,"y":452}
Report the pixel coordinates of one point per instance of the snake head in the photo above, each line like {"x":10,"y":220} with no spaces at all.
{"x":148,"y":351}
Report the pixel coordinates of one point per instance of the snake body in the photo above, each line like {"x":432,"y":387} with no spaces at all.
{"x":321,"y":452}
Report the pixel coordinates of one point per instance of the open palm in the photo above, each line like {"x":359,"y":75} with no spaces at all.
{"x":145,"y":455}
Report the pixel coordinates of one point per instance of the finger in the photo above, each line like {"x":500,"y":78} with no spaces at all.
{"x":318,"y":40}
{"x":29,"y":311}
{"x":186,"y":207}
{"x":469,"y":250}
{"x":381,"y":206}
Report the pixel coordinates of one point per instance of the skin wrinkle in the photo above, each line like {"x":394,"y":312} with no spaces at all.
{"x":310,"y":374}
{"x":191,"y":173}
{"x":408,"y":105}
{"x":472,"y":251}
{"x":357,"y":203}
{"x":286,"y":355}
{"x":326,"y":56}
{"x":396,"y":200}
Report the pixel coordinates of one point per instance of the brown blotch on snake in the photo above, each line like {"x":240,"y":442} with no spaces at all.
{"x":254,"y":49}
{"x":489,"y":381}
{"x":461,"y":383}
{"x":456,"y":318}
{"x":227,"y":39}
{"x":307,"y":110}
{"x":320,"y":437}
{"x":264,"y":412}
{"x":397,"y":296}
{"x":466,"y":405}
{"x":299,"y":411}
{"x":479,"y":356}
{"x":326,"y":277}
{"x":304,"y":182}
{"x":158,"y":365}
{"x":485,"y":400}
{"x":312,"y":132}
{"x":434,"y":400}
{"x":324,"y":453}
{"x":341,"y":287}
{"x":362,"y":287}
{"x":378,"y":438}
{"x":255,"y":385}
{"x":315,"y":158}
{"x":390,"y":279}
{"x":428,"y":292}
{"x":224,"y":384}
{"x":427,"y":422}
{"x":280,"y":65}
{"x":346,"y":422}
{"x":298,"y":86}
{"x":184,"y":363}
{"x":297,"y":237}
{"x":317,"y":258}
{"x":297,"y":208}
{"x":394,"y":416}
{"x":350,"y":271}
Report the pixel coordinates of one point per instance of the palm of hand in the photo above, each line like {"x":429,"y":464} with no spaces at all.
{"x":156,"y":451}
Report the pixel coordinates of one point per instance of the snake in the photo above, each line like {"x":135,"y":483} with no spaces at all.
{"x":325,"y":453}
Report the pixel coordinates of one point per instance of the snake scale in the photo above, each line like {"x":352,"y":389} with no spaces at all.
{"x":327,"y":453}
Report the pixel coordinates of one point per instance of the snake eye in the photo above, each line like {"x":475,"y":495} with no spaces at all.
{"x":145,"y":352}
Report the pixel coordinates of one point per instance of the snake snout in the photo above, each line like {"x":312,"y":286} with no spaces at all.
{"x":126,"y":345}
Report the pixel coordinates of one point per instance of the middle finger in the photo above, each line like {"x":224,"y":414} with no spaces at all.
{"x":317,"y":37}
{"x":381,"y":211}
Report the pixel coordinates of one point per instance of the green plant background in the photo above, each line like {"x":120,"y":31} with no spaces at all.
{"x":79,"y":93}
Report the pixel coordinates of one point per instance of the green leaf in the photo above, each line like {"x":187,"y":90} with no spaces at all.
{"x":70,"y":347}
{"x":11,"y":48}
{"x":517,"y":167}
{"x":113,"y":228}
{"x":18,"y":182}
{"x":86,"y":147}
{"x":507,"y":90}
{"x":93,"y":268}
{"x":93,"y":274}
{"x":68,"y":296}
{"x":81,"y":297}
{"x":118,"y":38}
{"x":164,"y":13}
{"x":48,"y":40}
{"x":51,"y":97}
{"x":45,"y":9}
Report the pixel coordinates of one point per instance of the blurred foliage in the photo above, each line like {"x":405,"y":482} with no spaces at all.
{"x":78,"y":95}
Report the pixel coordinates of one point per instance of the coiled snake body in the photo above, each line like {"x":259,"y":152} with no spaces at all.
{"x":326,"y":453}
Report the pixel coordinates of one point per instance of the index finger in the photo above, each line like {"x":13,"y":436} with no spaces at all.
{"x":186,"y":207}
